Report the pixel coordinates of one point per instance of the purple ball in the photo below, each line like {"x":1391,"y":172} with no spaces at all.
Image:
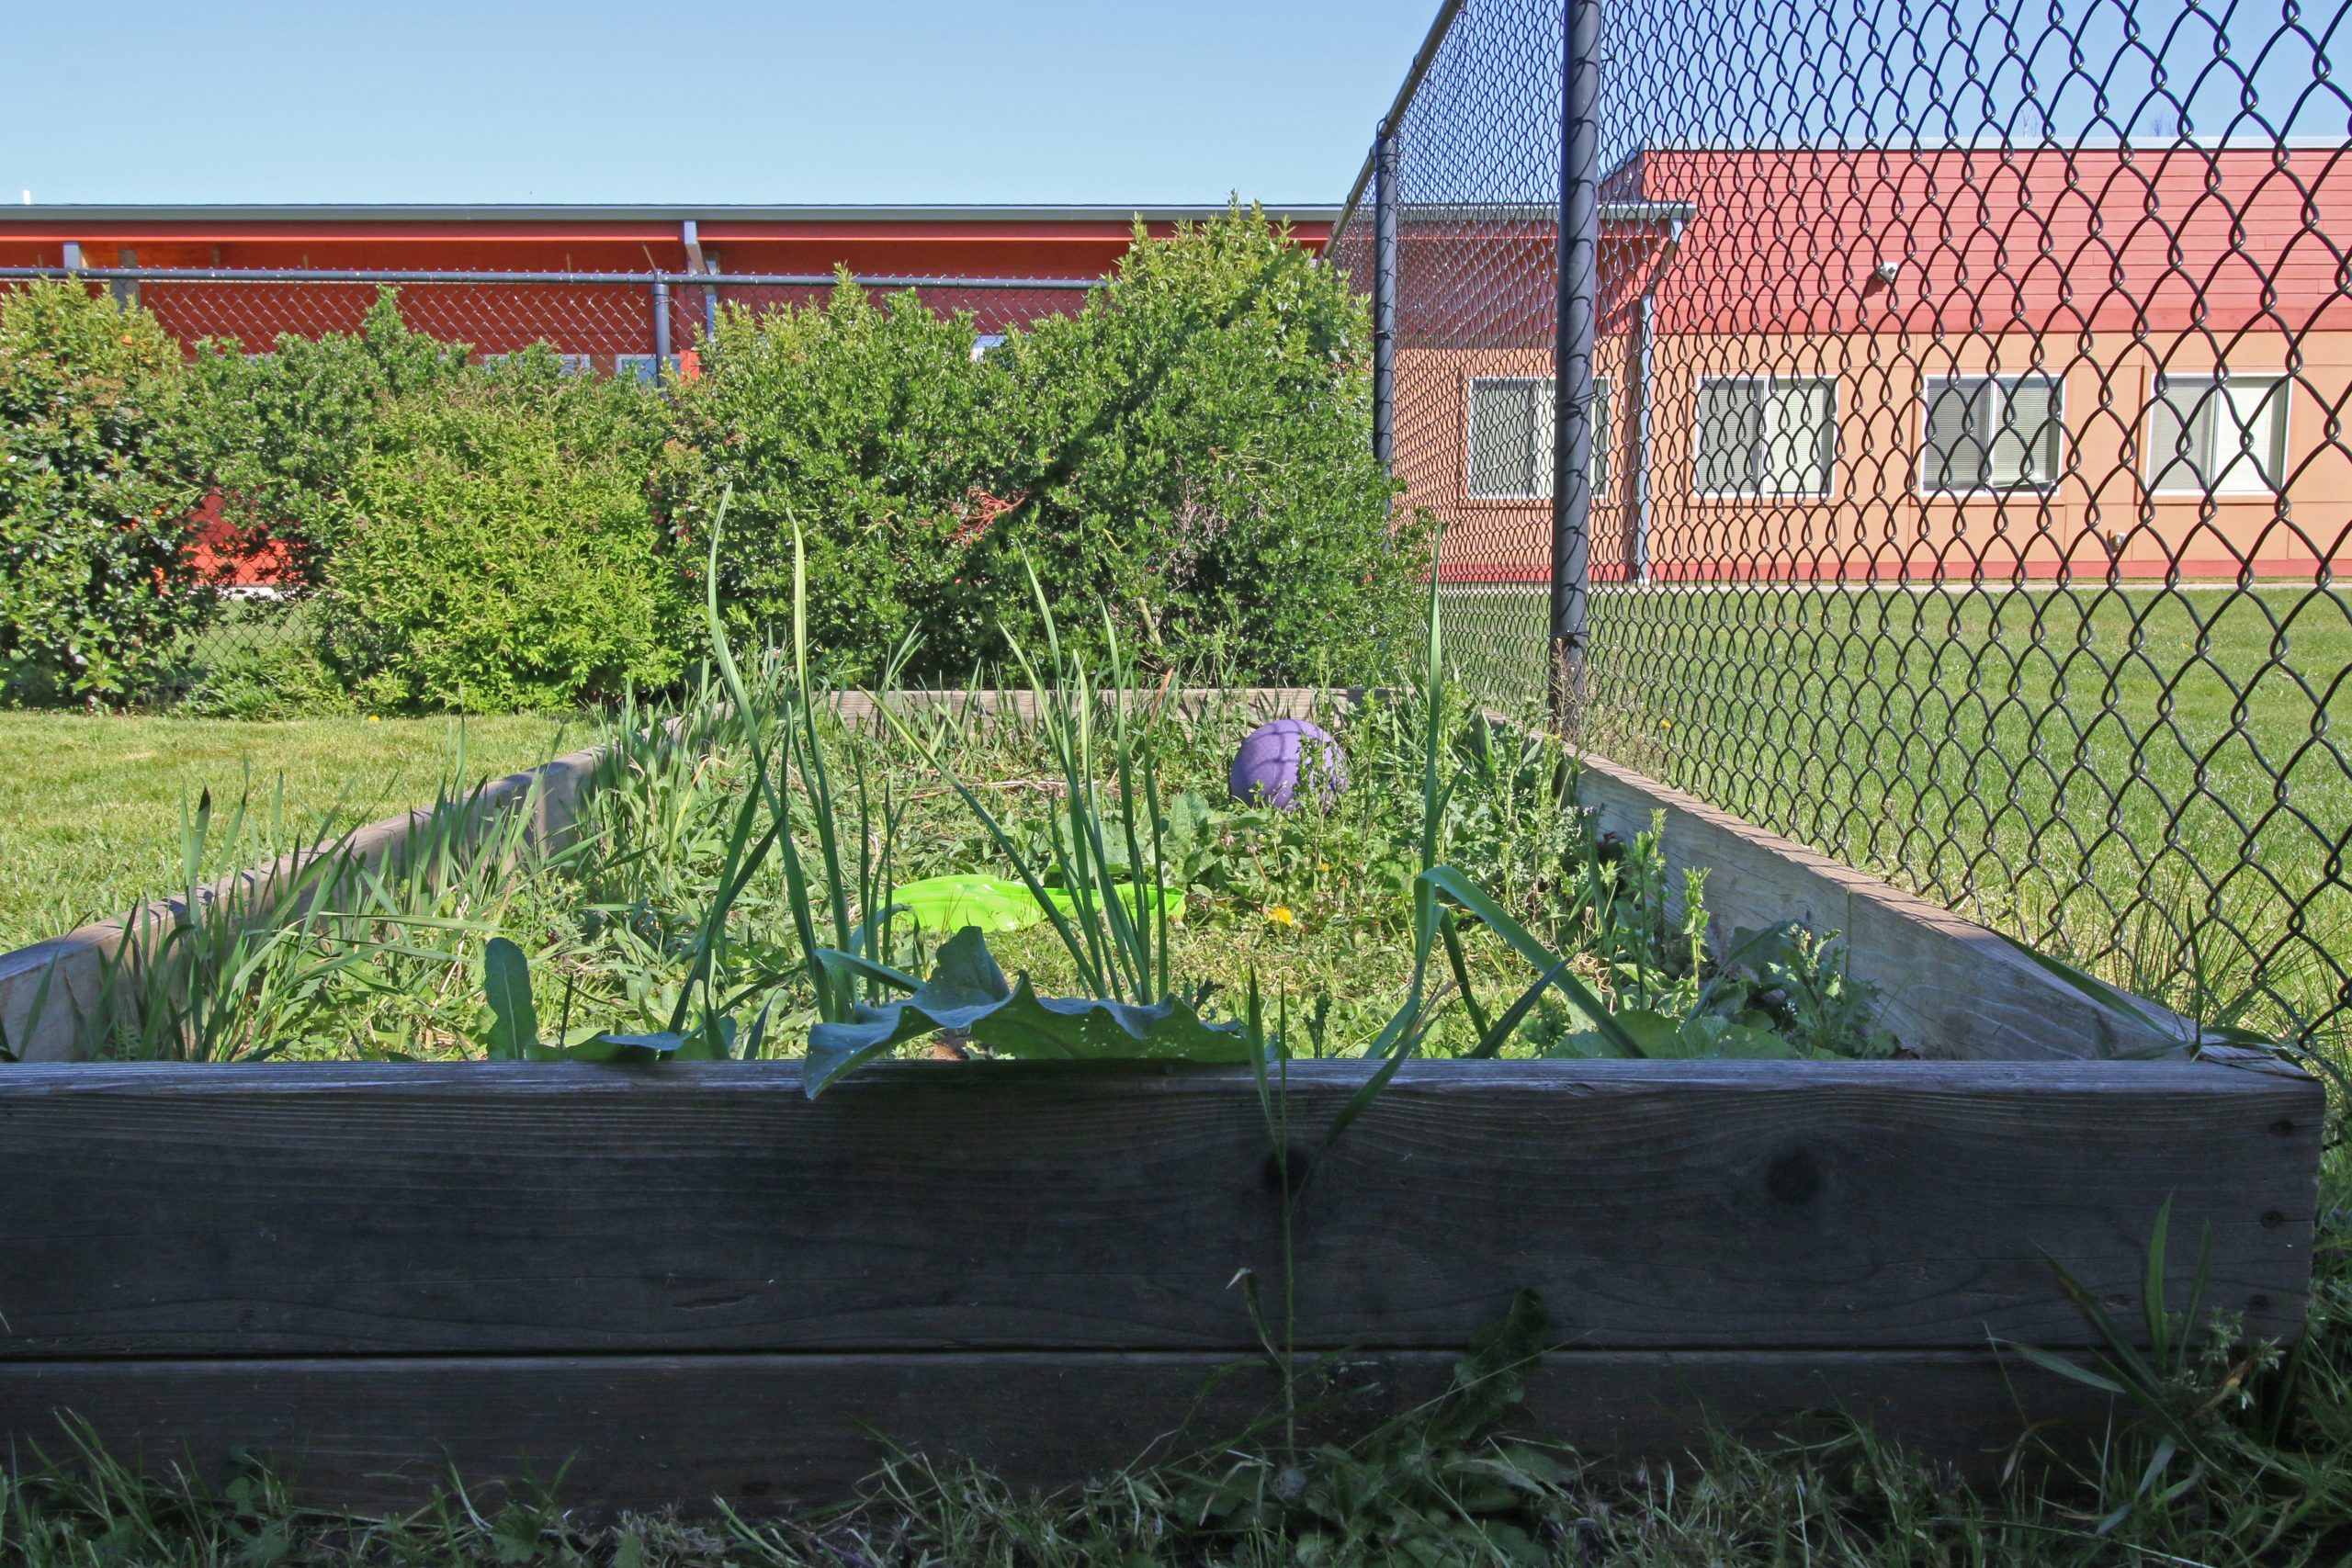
{"x":1267,"y":771}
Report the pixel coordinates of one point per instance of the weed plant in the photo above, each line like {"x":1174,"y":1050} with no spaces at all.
{"x":727,"y":883}
{"x":725,"y":893}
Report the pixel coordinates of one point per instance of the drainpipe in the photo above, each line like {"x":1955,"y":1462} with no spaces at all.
{"x":1643,"y":366}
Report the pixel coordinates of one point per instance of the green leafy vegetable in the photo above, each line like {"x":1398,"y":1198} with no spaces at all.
{"x":967,"y":994}
{"x":515,"y":1021}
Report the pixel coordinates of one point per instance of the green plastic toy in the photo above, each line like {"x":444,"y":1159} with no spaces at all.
{"x":948,"y":904}
{"x":1068,"y":904}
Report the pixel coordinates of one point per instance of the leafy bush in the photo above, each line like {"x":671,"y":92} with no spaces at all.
{"x":1193,"y":450}
{"x":281,"y":431}
{"x":499,"y":551}
{"x":1189,"y":450}
{"x":855,"y":419}
{"x":95,"y":489}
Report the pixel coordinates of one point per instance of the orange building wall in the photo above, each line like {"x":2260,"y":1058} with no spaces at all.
{"x":2097,"y":267}
{"x":1876,"y":522}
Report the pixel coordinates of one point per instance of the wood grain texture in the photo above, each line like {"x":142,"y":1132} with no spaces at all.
{"x":1952,"y":989}
{"x":552,"y":1208}
{"x":631,"y":1431}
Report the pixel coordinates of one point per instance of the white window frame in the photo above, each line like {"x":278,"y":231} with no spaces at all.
{"x":565,"y":363}
{"x":1548,"y":395}
{"x":983,"y":341}
{"x":1770,"y":384}
{"x":644,"y":366}
{"x":2165,"y":469}
{"x":2008,"y":385}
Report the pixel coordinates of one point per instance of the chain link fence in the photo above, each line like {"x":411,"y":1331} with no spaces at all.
{"x":1932,"y":445}
{"x":600,"y":322}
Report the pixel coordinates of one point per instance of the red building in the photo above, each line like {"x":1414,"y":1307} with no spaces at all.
{"x":1874,"y":362}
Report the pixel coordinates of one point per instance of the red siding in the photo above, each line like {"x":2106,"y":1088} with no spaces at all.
{"x":946,"y":246}
{"x":2173,"y":238}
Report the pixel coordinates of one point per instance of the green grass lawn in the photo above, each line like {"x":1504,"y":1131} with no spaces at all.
{"x":2099,"y":771}
{"x":90,"y":806}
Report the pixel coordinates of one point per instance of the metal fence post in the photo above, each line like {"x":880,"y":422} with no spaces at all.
{"x":1572,"y":386}
{"x":1640,"y":371}
{"x":660,"y":327}
{"x":1383,"y":295}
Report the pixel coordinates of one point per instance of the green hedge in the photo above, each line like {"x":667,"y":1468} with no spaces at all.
{"x":283,"y":431}
{"x":1193,"y":450}
{"x":1189,"y":452}
{"x":98,"y":481}
{"x":499,"y":552}
{"x":856,"y":421}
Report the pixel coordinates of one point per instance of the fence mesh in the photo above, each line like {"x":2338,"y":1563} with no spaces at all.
{"x":600,"y":325}
{"x":1970,"y":476}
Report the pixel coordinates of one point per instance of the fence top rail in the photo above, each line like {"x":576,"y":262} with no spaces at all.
{"x":640,"y":279}
{"x":1546,"y":212}
{"x":1423,"y":58}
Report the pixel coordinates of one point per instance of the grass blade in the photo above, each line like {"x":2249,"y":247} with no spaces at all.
{"x":1491,"y":1041}
{"x":1447,"y":880}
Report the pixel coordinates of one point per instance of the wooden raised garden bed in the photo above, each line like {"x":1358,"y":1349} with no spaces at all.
{"x":686,"y":1280}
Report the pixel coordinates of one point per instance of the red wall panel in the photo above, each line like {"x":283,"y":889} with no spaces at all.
{"x":2174,"y":239}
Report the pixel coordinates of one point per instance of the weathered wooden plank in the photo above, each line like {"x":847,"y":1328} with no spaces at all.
{"x":632,"y":1431}
{"x":1951,"y":987}
{"x":313,"y":1209}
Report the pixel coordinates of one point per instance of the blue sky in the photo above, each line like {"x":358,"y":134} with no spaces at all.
{"x":852,"y":100}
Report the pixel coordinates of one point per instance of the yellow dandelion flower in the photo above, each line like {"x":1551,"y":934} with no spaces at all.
{"x":1280,"y":914}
